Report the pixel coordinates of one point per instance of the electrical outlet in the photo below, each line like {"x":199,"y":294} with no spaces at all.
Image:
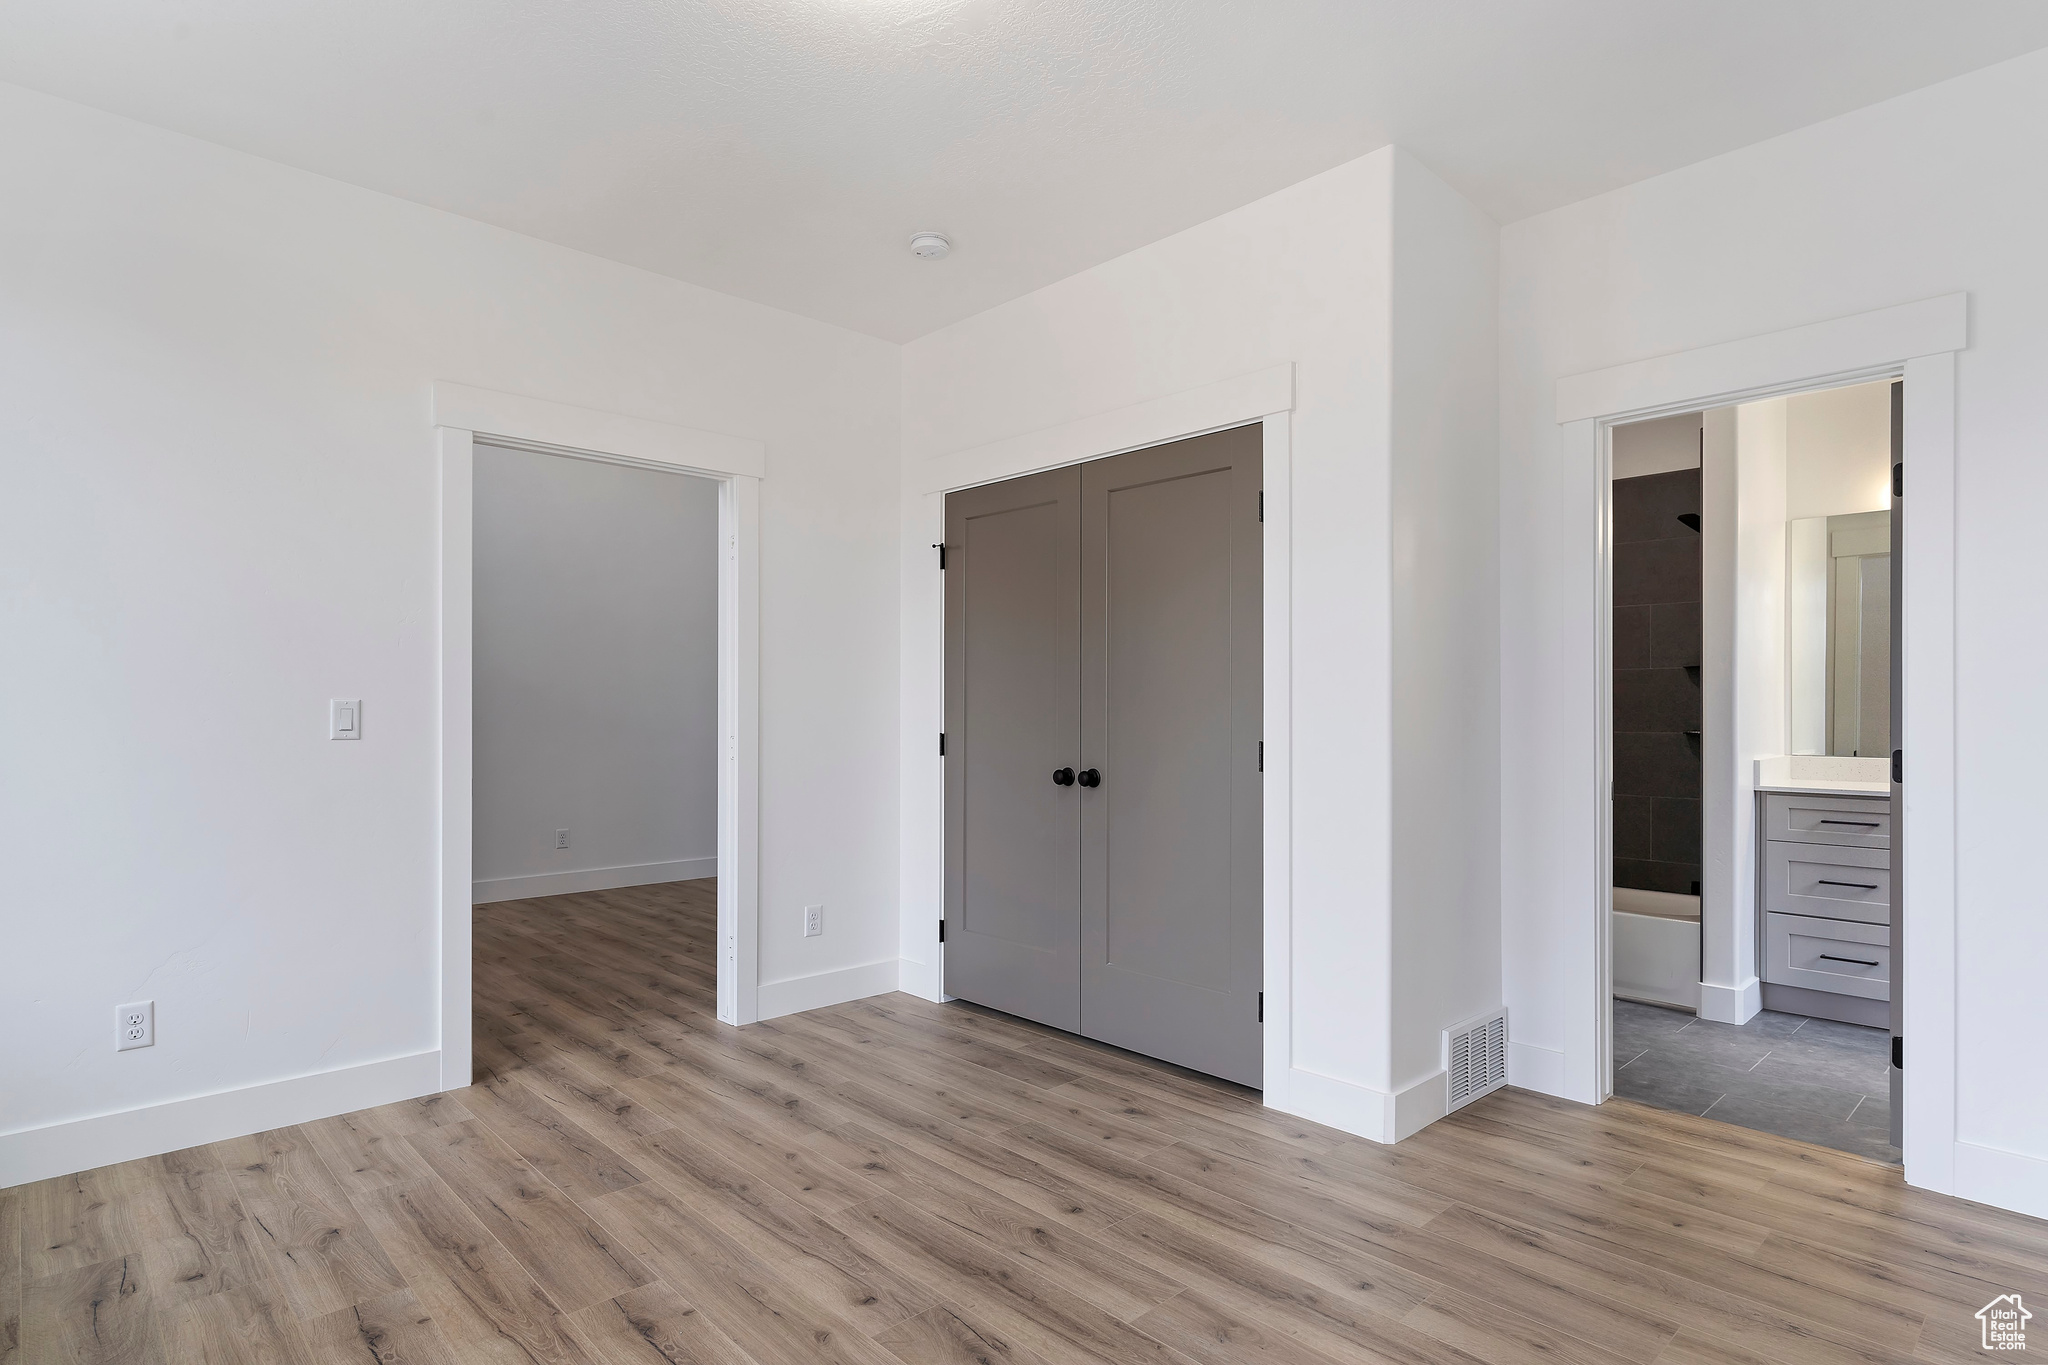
{"x":135,"y":1026}
{"x":561,"y":838}
{"x":814,"y":920}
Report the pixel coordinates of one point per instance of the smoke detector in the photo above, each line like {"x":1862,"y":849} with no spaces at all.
{"x":930,"y":246}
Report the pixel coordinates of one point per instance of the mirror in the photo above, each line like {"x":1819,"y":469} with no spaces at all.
{"x":1839,"y":607}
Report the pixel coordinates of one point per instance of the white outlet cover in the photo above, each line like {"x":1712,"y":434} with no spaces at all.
{"x":135,"y":1026}
{"x":814,"y":920}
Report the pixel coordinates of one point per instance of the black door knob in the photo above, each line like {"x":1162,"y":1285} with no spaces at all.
{"x":1063,"y":777}
{"x":1090,"y":778}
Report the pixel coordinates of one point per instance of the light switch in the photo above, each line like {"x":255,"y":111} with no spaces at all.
{"x":344,"y":719}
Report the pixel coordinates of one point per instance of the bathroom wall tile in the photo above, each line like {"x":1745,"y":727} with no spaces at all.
{"x":1655,"y":699}
{"x":1656,"y":765}
{"x":1648,"y":571}
{"x":1632,"y":637}
{"x":1675,"y":635}
{"x":1675,"y":829}
{"x":1632,"y":826}
{"x":1648,"y":508}
{"x":1644,"y":874}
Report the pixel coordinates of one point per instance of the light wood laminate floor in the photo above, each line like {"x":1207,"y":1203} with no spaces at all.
{"x":899,"y":1183}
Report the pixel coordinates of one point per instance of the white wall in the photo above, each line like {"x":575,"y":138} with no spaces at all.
{"x":1838,"y":451}
{"x":219,"y":511}
{"x":1302,"y":276}
{"x":1926,"y":194}
{"x":596,"y":674}
{"x":1446,"y":654}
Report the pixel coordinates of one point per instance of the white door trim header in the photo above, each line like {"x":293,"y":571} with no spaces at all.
{"x":574,"y":430}
{"x":1819,"y":355}
{"x":1211,"y":407}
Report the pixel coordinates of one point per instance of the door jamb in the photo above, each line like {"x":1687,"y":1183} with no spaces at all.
{"x":1917,"y":341}
{"x":465,"y":416}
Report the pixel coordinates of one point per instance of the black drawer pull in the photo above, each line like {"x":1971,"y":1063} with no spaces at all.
{"x":1830,"y":957}
{"x":1860,"y":886}
{"x":1862,"y":824}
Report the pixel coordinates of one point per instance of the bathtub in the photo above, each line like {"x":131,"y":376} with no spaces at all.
{"x":1657,"y":947}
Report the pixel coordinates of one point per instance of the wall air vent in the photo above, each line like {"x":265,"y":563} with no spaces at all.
{"x":1476,"y":1058}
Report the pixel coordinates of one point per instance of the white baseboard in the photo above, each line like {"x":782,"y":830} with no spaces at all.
{"x":1536,"y":1068}
{"x":1419,"y":1104}
{"x":1731,"y":1004}
{"x":2009,"y":1180}
{"x":496,"y":889}
{"x":800,"y":993}
{"x":82,"y":1144}
{"x":922,"y":979}
{"x":1359,"y":1109}
{"x":1347,"y":1105}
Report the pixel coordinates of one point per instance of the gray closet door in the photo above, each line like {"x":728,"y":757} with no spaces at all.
{"x":1170,"y":718}
{"x":1012,"y":718}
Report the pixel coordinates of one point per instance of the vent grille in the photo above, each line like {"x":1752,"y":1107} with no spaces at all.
{"x":1476,"y":1058}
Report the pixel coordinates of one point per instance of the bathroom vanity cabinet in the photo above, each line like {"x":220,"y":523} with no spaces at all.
{"x":1824,"y":899}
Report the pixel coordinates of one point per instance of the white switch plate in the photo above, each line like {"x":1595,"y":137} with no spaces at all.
{"x":345,"y":718}
{"x":135,"y":1026}
{"x":814,"y":920}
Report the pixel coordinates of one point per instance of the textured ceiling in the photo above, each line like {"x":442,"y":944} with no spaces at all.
{"x":784,"y":150}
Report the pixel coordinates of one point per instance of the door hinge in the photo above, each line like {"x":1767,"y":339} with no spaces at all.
{"x":942,"y":931}
{"x":1262,"y":755}
{"x":1899,"y":1051}
{"x":1899,"y":766}
{"x":1262,"y":504}
{"x":942,"y":744}
{"x":941,"y":548}
{"x":1262,"y":1007}
{"x":1899,"y":479}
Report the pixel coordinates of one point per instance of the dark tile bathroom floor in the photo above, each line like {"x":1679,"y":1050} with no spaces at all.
{"x":1810,"y":1079}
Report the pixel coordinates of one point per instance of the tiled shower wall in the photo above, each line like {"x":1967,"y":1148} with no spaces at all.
{"x":1657,"y":683}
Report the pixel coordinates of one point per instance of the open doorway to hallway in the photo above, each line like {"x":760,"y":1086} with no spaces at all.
{"x":1753,"y":704}
{"x":596,"y":633}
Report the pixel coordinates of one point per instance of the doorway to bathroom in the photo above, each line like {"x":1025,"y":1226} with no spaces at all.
{"x":1754,"y":653}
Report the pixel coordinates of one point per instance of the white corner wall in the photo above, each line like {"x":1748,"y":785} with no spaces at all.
{"x":1446,"y":628}
{"x":220,"y":510}
{"x":1304,"y":277}
{"x":1924,"y":195}
{"x":595,"y":675}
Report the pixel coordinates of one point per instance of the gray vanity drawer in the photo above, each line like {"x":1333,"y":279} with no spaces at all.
{"x":1828,"y":881}
{"x":1851,"y":821}
{"x":1828,"y":955}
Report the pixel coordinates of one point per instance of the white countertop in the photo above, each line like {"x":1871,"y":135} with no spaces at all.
{"x":1822,"y":775}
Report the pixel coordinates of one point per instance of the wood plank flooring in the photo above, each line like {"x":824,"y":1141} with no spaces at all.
{"x":899,"y":1183}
